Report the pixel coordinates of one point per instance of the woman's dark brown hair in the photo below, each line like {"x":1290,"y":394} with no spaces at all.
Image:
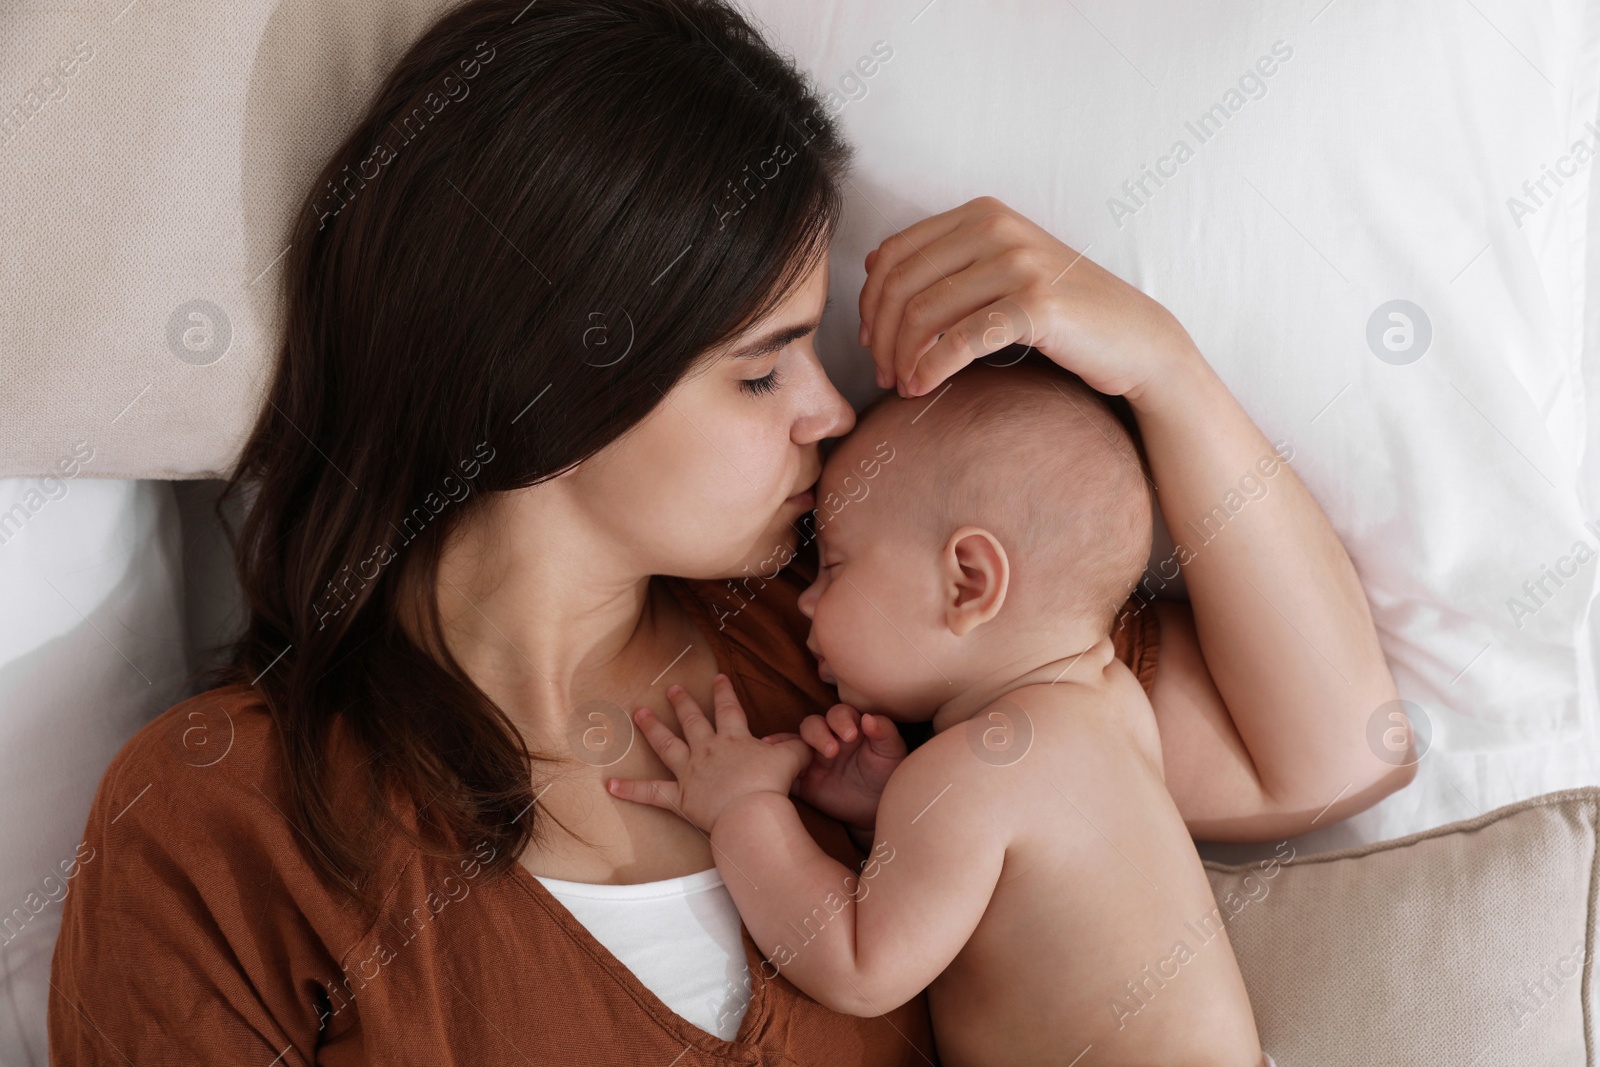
{"x":548,"y":214}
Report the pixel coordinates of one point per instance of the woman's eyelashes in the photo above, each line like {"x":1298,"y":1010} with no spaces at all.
{"x":757,"y":386}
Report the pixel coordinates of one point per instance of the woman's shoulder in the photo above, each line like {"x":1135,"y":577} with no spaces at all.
{"x":213,"y":748}
{"x":205,"y":783}
{"x":219,"y":747}
{"x":195,"y":918}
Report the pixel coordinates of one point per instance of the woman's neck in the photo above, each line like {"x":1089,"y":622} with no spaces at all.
{"x":568,"y":637}
{"x":553,"y":617}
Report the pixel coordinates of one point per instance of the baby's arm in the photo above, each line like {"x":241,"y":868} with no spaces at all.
{"x":853,"y":757}
{"x":862,"y":944}
{"x":865,"y":944}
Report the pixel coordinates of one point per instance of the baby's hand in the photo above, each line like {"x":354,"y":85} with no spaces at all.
{"x":855,"y":755}
{"x":715,"y":765}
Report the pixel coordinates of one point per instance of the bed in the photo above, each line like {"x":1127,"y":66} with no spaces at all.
{"x":1375,"y":220}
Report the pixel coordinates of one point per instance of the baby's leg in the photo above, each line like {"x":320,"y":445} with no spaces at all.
{"x":1107,"y":918}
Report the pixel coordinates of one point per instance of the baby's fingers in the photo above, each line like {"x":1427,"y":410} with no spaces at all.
{"x":731,"y":721}
{"x":815,"y":731}
{"x":778,"y":739}
{"x":845,"y":721}
{"x":691,"y":720}
{"x":672,"y":749}
{"x":643,"y":791}
{"x":883,"y":736}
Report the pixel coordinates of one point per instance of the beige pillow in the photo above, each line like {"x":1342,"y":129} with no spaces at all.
{"x":1469,"y":944}
{"x":154,"y":153}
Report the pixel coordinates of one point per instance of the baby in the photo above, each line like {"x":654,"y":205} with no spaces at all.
{"x":1028,"y":866}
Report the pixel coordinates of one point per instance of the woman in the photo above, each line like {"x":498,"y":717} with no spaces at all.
{"x":541,"y":442}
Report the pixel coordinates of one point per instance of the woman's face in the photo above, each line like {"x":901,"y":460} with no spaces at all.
{"x":710,"y":483}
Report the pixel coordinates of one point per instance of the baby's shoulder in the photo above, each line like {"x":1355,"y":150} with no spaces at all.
{"x":1070,"y":725}
{"x":956,"y":805}
{"x":982,"y":758}
{"x":1038,"y":729}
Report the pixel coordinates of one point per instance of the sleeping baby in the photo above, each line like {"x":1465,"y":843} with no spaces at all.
{"x":1028,"y":866}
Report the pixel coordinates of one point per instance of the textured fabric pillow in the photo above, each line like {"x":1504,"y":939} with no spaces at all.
{"x":1470,"y":944}
{"x":155,"y":153}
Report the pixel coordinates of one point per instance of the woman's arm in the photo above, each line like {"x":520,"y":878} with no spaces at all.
{"x":1264,"y":693}
{"x":1263,"y":703}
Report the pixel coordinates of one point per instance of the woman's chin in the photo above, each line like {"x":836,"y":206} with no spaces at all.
{"x":763,"y":555}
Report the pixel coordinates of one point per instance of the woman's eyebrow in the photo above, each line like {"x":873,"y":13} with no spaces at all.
{"x":778,"y":338}
{"x":774,"y":341}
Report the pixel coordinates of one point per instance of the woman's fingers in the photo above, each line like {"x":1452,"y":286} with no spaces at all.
{"x":643,"y":791}
{"x":983,"y":332}
{"x":960,"y":277}
{"x":903,"y":244}
{"x":896,"y":249}
{"x":914,"y":299}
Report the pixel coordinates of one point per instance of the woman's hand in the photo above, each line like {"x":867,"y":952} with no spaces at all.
{"x":985,"y":277}
{"x":1263,"y":703}
{"x":714,"y":764}
{"x":854,"y":756}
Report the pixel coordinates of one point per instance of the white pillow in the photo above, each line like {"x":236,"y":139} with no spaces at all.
{"x":94,"y":647}
{"x":1354,"y":155}
{"x":1373,"y":163}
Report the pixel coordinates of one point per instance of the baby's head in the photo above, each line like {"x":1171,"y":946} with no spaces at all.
{"x":968,"y":531}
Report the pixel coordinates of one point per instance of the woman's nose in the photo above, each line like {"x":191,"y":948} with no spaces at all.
{"x":828,"y":413}
{"x":844,"y":415}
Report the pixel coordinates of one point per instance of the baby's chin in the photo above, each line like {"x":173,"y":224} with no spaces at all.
{"x":878,"y":703}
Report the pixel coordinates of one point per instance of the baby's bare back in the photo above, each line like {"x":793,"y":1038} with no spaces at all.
{"x":1102,"y":937}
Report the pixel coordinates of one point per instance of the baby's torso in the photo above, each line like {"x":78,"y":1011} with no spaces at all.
{"x":1098,"y":880}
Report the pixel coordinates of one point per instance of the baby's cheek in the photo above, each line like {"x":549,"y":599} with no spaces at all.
{"x":843,"y":633}
{"x":830,"y":622}
{"x":865,"y":651}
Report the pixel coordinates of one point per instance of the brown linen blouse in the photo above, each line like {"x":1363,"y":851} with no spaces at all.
{"x":196,"y":931}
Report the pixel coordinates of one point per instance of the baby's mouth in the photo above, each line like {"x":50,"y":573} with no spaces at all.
{"x":823,"y":672}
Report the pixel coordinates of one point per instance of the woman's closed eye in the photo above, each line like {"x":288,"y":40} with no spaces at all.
{"x":765,"y":384}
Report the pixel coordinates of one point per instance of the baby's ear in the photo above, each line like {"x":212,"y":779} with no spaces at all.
{"x":976,"y":575}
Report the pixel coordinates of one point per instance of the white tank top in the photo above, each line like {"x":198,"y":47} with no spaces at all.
{"x":679,"y":936}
